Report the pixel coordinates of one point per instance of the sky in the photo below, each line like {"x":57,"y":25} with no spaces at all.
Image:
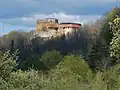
{"x":22,"y":14}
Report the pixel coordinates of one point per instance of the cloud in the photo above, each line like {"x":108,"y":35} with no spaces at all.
{"x":24,"y":13}
{"x":103,"y":1}
{"x":62,"y":17}
{"x":21,"y":8}
{"x":80,"y":2}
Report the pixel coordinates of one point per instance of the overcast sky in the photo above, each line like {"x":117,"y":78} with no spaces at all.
{"x":22,"y":14}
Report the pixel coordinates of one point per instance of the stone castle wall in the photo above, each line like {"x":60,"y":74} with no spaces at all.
{"x":51,"y":28}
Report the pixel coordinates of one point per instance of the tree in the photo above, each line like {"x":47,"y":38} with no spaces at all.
{"x":51,"y":58}
{"x":32,"y":62}
{"x":17,"y":36}
{"x":76,"y":65}
{"x":115,"y":43}
{"x":95,"y":56}
{"x":7,"y":64}
{"x":99,"y":57}
{"x":106,"y":32}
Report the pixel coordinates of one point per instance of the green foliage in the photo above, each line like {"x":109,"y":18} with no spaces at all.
{"x":99,"y":57}
{"x":112,"y":14}
{"x":72,"y":73}
{"x":31,"y":80}
{"x":95,"y":57}
{"x":65,"y":80}
{"x":3,"y":84}
{"x":106,"y":32}
{"x":115,"y":44}
{"x":17,"y":36}
{"x":98,"y":83}
{"x":112,"y":78}
{"x":107,"y":80}
{"x":76,"y":65}
{"x":32,"y":62}
{"x":51,"y":58}
{"x":7,"y":63}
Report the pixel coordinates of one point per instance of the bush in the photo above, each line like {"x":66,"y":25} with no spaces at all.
{"x":72,"y":73}
{"x":7,"y":64}
{"x":76,"y":64}
{"x":97,"y":82}
{"x":32,"y":62}
{"x":27,"y":80}
{"x":51,"y":58}
{"x":3,"y":84}
{"x":107,"y":80}
{"x":64,"y":80}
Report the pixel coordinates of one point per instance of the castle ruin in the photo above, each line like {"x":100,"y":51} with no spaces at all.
{"x":50,"y":27}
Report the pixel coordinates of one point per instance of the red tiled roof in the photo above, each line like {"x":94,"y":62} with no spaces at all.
{"x":64,"y":25}
{"x":69,"y":25}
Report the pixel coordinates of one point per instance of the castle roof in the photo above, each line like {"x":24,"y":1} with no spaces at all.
{"x":70,"y":25}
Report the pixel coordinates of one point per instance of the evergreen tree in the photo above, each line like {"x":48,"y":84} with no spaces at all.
{"x":94,"y":56}
{"x":98,"y":57}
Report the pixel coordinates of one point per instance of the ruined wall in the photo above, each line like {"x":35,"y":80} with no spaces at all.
{"x":50,"y":33}
{"x":66,"y":31}
{"x":48,"y":28}
{"x":46,"y":24}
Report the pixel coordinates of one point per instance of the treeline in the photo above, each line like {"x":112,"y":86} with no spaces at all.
{"x":89,"y":60}
{"x":29,"y":44}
